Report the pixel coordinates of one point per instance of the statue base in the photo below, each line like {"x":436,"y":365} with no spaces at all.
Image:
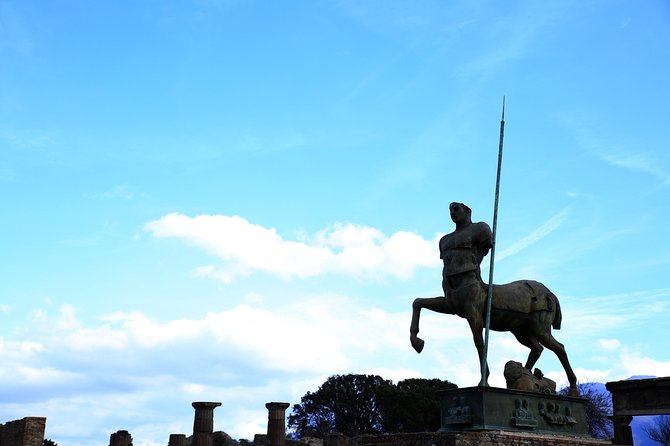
{"x":491,"y":408}
{"x":488,"y":438}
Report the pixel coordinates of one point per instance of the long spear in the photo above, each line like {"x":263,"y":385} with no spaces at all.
{"x":493,"y":248}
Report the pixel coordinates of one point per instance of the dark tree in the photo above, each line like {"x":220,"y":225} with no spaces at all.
{"x":347,"y":404}
{"x":413,"y":405}
{"x":598,"y":409}
{"x":365,"y":404}
{"x":48,"y":442}
{"x":660,"y":430}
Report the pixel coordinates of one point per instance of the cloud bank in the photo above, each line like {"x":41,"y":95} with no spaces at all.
{"x":245,"y":248}
{"x":130,"y":370}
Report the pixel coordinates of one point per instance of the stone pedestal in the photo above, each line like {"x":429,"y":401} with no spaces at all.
{"x":491,"y":408}
{"x":277,"y":423}
{"x":203,"y":423}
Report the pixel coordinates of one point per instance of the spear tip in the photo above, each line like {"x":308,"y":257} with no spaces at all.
{"x":503,"y":110}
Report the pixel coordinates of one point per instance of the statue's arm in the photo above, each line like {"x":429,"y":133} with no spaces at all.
{"x":484,"y":239}
{"x":442,"y":246}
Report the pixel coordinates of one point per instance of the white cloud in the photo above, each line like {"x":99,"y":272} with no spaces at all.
{"x":547,"y":228}
{"x":637,"y":162}
{"x":348,"y":249}
{"x":43,"y":376}
{"x":618,"y":152}
{"x":314,"y":336}
{"x":623,"y":364}
{"x":609,"y":344}
{"x":634,"y":363}
{"x":254,"y":333}
{"x":244,"y":356}
{"x":193,"y":389}
{"x":601,"y":315}
{"x":9,"y":349}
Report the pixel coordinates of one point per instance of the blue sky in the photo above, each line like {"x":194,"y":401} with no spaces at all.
{"x":233,"y":200}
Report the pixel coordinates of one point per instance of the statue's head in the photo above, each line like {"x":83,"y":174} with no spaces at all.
{"x":460,"y":213}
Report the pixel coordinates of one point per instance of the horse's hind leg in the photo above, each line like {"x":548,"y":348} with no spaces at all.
{"x":438,"y":304}
{"x":552,"y":344}
{"x":535,"y":349}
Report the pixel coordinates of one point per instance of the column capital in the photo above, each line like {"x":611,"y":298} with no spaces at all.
{"x":275,"y":405}
{"x":205,"y":404}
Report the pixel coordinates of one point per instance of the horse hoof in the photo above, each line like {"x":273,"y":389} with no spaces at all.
{"x":418,"y":344}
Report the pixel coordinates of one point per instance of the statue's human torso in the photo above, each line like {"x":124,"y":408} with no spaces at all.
{"x":464,"y":249}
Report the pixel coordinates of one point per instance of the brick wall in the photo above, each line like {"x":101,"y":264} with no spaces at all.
{"x":487,"y":438}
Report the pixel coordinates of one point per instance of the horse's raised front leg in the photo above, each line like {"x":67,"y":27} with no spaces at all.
{"x":438,"y":304}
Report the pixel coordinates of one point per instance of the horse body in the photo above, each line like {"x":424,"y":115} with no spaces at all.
{"x":525,"y":308}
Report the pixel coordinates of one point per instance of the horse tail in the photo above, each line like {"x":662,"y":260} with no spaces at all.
{"x":558,"y":316}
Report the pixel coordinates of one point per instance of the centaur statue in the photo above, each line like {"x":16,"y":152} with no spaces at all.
{"x":525,"y":308}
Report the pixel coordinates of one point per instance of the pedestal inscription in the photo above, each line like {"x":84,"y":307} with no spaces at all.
{"x":491,"y":408}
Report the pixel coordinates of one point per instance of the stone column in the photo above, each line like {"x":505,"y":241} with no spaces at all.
{"x":120,"y":438}
{"x":277,"y":423}
{"x":622,"y":431}
{"x":203,"y":423}
{"x":177,"y":440}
